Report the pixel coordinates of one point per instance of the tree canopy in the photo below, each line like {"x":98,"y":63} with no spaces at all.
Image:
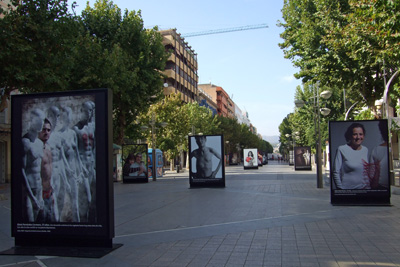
{"x":131,"y":61}
{"x":349,"y":47}
{"x":184,"y":119}
{"x":351,"y":44}
{"x":47,"y":49}
{"x":37,"y":41}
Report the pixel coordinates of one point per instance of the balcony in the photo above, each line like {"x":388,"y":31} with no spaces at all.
{"x":172,"y":58}
{"x":169,"y":90}
{"x":169,"y":73}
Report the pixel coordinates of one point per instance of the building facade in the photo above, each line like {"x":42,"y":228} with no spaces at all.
{"x":246,"y":119}
{"x":206,"y":100}
{"x":230,"y":105}
{"x":181,"y":68}
{"x":5,"y":127}
{"x":225,"y":105}
{"x":5,"y":138}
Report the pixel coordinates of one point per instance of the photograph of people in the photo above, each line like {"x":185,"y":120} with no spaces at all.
{"x":60,"y":170}
{"x":307,"y":157}
{"x":207,"y":159}
{"x":32,"y":192}
{"x":379,"y":160}
{"x":351,"y":159}
{"x":79,"y":197}
{"x":127,"y":165}
{"x":85,"y":132}
{"x":249,"y":161}
{"x":135,"y":164}
{"x":300,"y":158}
{"x":50,"y":209}
{"x":137,"y":168}
{"x":52,"y":161}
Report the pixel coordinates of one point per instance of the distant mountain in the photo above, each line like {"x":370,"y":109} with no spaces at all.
{"x":273,"y":140}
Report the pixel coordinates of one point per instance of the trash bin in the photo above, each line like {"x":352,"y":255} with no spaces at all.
{"x":177,"y":168}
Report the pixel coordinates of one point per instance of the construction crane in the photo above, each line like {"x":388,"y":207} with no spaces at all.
{"x":243,"y":28}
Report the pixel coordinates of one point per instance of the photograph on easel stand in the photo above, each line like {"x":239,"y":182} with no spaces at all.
{"x":206,"y":166}
{"x":250,"y":156}
{"x":135,"y":163}
{"x":359,"y":165}
{"x":61,"y":189}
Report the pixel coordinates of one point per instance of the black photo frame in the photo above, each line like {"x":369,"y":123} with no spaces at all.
{"x":250,"y":156}
{"x":302,"y":158}
{"x":135,"y":160}
{"x":95,"y":226}
{"x":210,"y":159}
{"x":359,"y":176}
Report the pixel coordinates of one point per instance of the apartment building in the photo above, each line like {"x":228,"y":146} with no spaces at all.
{"x":181,"y":68}
{"x":242,"y":116}
{"x":225,"y":105}
{"x":207,"y":101}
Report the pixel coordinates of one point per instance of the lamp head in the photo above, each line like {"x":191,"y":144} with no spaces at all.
{"x":325,"y":111}
{"x":299,"y":103}
{"x":326,"y":94}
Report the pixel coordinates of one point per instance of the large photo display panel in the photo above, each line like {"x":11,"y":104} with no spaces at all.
{"x":359,"y":162}
{"x":302,"y":159}
{"x":135,"y":163}
{"x":250,"y":156}
{"x":62,"y":168}
{"x":206,"y":166}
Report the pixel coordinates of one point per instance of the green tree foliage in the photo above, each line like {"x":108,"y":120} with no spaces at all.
{"x":169,"y":138}
{"x":184,"y":119}
{"x":230,"y":129}
{"x":123,"y":56}
{"x":350,"y":44}
{"x":181,"y":120}
{"x":284,"y":129}
{"x":239,"y":135}
{"x":200,"y":119}
{"x":46,"y":49}
{"x":37,"y":40}
{"x":304,"y":120}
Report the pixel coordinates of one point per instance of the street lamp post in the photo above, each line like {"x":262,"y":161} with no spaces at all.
{"x":227,"y":153}
{"x":386,"y":112}
{"x":317,"y":111}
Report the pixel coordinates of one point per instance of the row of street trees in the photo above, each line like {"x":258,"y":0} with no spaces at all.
{"x":183,"y":119}
{"x":349,"y":47}
{"x":46,"y":48}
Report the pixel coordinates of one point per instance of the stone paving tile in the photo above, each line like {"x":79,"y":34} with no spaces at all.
{"x":198,"y":263}
{"x":309,"y":231}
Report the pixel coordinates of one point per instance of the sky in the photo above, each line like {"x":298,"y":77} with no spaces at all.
{"x":248,"y":65}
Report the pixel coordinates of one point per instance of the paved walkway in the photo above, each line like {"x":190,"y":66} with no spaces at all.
{"x":272,"y":216}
